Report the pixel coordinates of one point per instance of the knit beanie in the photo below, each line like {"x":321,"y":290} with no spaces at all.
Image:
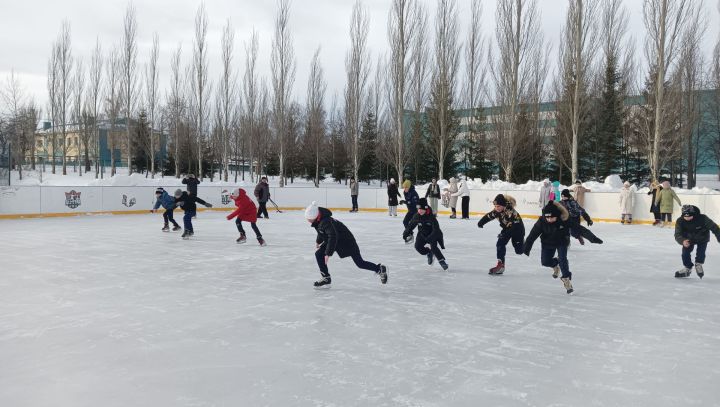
{"x":566,"y":193}
{"x":422,"y":203}
{"x":407,"y":183}
{"x":178,"y":193}
{"x":578,"y":182}
{"x":159,"y":191}
{"x":311,"y":212}
{"x":551,"y":210}
{"x":626,"y":184}
{"x":500,"y":200}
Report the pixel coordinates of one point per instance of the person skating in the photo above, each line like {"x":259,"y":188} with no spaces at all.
{"x":411,"y":200}
{"x":245,"y":212}
{"x":692,"y":230}
{"x":188,"y":203}
{"x":554,"y":234}
{"x":192,"y":183}
{"x":664,"y":201}
{"x":334,"y":237}
{"x":429,"y":233}
{"x":393,"y":194}
{"x":354,"y":191}
{"x":511,"y":229}
{"x":655,"y":189}
{"x":575,"y":211}
{"x":433,"y":195}
{"x":168,"y":203}
{"x":450,"y":191}
{"x":262,"y":194}
{"x":627,"y":201}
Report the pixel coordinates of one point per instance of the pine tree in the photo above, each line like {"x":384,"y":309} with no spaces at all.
{"x":369,"y":166}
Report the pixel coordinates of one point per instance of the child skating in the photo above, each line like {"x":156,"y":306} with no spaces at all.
{"x":429,"y":234}
{"x":575,"y":211}
{"x":411,"y":200}
{"x":246,"y":212}
{"x":168,"y":203}
{"x":188,"y":202}
{"x":554,"y":234}
{"x":692,"y":230}
{"x":334,"y":237}
{"x":512,"y":229}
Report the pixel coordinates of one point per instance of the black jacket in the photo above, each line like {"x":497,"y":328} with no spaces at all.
{"x":552,"y":235}
{"x":192,"y":184}
{"x":433,"y":191}
{"x":262,"y":192}
{"x":393,"y":194}
{"x":508,"y":218}
{"x":697,"y":230}
{"x":428,"y":226}
{"x":411,"y":199}
{"x":187,"y":202}
{"x":335,"y":235}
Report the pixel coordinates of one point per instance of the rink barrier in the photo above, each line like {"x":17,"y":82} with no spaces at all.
{"x":59,"y":201}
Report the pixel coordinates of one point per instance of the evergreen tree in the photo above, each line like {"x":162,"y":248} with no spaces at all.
{"x":369,"y":166}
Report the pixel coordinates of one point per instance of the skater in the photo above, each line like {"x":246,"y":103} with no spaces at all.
{"x":627,"y":201}
{"x":245,"y":212}
{"x":433,"y":195}
{"x":545,"y":193}
{"x":575,"y":211}
{"x":393,"y":194}
{"x":579,"y":191}
{"x":333,"y":236}
{"x":553,"y":231}
{"x":693,"y":229}
{"x":354,"y":190}
{"x":511,"y":229}
{"x":188,"y":203}
{"x":664,"y":201}
{"x":464,"y":194}
{"x":429,"y":233}
{"x":655,"y":189}
{"x":192,"y":183}
{"x":450,"y":191}
{"x":411,"y":200}
{"x":168,"y":203}
{"x":262,"y":194}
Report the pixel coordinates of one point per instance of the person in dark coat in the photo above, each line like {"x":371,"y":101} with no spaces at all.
{"x":429,"y":233}
{"x":655,"y":188}
{"x":262,"y":194}
{"x":692,"y":230}
{"x":245,"y":212}
{"x":393,"y":194}
{"x":433,"y":195}
{"x":411,"y":200}
{"x":334,"y":237}
{"x":192,"y":183}
{"x":188,"y":202}
{"x":511,"y":225}
{"x":168,"y":203}
{"x":576,"y":211}
{"x":554,"y":233}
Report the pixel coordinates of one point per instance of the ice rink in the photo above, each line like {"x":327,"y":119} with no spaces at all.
{"x":110,"y":311}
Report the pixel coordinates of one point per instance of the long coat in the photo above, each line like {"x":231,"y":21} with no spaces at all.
{"x":393,"y":194}
{"x":545,"y":192}
{"x":579,"y":191}
{"x":665,"y":199}
{"x":354,"y":188}
{"x":452,"y":189}
{"x":627,"y":200}
{"x":262,"y":192}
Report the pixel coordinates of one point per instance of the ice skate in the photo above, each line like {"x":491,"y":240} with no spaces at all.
{"x":176,"y":228}
{"x":430,"y":258}
{"x":498,"y":269}
{"x":185,"y":235}
{"x":242,"y":239}
{"x":453,"y":216}
{"x":683,"y":272}
{"x":261,"y":241}
{"x":165,"y":228}
{"x":443,"y":264}
{"x":567,"y":284}
{"x":325,"y":281}
{"x":556,"y":272}
{"x":409,"y":239}
{"x":383,"y":274}
{"x":699,"y":270}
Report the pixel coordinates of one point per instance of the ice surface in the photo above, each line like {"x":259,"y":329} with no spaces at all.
{"x":110,"y":311}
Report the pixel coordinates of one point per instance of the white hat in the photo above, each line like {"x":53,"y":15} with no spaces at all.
{"x":311,"y":212}
{"x":235,"y":192}
{"x":392,"y":180}
{"x":627,"y":183}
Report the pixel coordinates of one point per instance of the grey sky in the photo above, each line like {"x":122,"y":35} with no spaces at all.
{"x":30,"y":26}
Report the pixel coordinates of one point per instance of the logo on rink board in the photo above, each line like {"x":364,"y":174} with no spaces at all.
{"x":126,"y":203}
{"x":72,"y":199}
{"x":225,"y":197}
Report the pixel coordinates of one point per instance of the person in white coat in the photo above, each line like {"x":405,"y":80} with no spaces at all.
{"x":464,"y":194}
{"x":627,"y":200}
{"x":545,"y":190}
{"x":450,"y":191}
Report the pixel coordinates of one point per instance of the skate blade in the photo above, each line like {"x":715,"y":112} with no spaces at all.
{"x":322,"y":287}
{"x":241,"y":242}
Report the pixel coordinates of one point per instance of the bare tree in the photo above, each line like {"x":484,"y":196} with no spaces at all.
{"x":176,"y":103}
{"x":475,"y":72}
{"x":664,"y":22}
{"x":282,"y":64}
{"x":316,"y":111}
{"x":250,"y":90}
{"x":94,"y":98}
{"x":226,"y":94}
{"x":13,"y":95}
{"x":200,"y":80}
{"x":129,"y":75}
{"x":357,"y":70}
{"x":53,"y":86}
{"x":78,"y":112}
{"x":151,"y":97}
{"x":113,"y":102}
{"x":65,"y":63}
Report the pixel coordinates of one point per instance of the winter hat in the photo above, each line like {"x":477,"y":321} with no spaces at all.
{"x":566,"y":193}
{"x":689,"y":210}
{"x":666,"y":184}
{"x":178,"y":193}
{"x":578,"y":182}
{"x":312,"y":211}
{"x":422,"y":203}
{"x":159,"y":191}
{"x":626,"y":184}
{"x":407,"y":183}
{"x":237,"y":192}
{"x":392,"y":180}
{"x":500,"y":200}
{"x":551,"y":210}
{"x":452,"y":180}
{"x":191,"y":175}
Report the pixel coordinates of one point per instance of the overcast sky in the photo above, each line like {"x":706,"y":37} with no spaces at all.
{"x":30,"y":26}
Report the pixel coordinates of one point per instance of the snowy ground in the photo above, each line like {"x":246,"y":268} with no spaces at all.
{"x":110,"y":311}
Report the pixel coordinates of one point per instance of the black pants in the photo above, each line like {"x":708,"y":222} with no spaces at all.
{"x":254,"y":227}
{"x":168,"y":216}
{"x":516,"y":234}
{"x":408,"y":216}
{"x":262,"y":210}
{"x":420,"y":243}
{"x":187,"y":219}
{"x":699,"y":254}
{"x":547,"y":258}
{"x":666,"y":217}
{"x":466,"y":207}
{"x":656,"y":212}
{"x":354,"y":202}
{"x":577,"y":230}
{"x":356,"y":257}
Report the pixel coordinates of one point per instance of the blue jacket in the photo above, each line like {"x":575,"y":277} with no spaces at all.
{"x":411,"y":199}
{"x":167,"y":201}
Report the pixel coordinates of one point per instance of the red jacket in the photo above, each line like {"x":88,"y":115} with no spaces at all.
{"x":246,"y":210}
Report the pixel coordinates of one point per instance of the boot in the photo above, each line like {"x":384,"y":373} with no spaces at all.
{"x":683,"y":272}
{"x":383,"y":274}
{"x":241,"y":239}
{"x":430,"y":258}
{"x":323,"y":281}
{"x":176,"y":228}
{"x":629,"y":222}
{"x":185,"y":235}
{"x":409,"y":239}
{"x":556,"y":272}
{"x":443,"y":264}
{"x":656,"y":223}
{"x":498,"y":269}
{"x":261,"y":241}
{"x":165,"y":228}
{"x":567,"y":284}
{"x":699,"y":270}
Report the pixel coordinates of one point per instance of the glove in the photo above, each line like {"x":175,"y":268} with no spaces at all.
{"x":208,"y":205}
{"x":590,"y":222}
{"x":526,"y":251}
{"x":405,"y":236}
{"x":402,"y":202}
